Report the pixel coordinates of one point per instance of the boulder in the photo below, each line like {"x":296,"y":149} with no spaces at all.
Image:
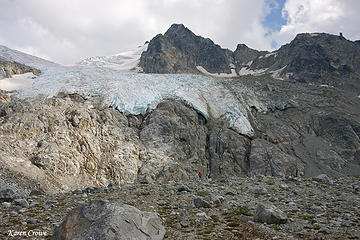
{"x":7,"y":195}
{"x":322,"y":178}
{"x":183,"y":189}
{"x":99,"y":219}
{"x":21,"y":202}
{"x":200,"y":203}
{"x":267,"y":213}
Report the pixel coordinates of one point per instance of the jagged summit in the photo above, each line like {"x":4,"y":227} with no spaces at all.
{"x":178,"y":29}
{"x":319,"y":58}
{"x":179,"y":50}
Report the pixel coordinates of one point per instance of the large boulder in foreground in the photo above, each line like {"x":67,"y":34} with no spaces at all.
{"x":99,"y":219}
{"x":267,"y":213}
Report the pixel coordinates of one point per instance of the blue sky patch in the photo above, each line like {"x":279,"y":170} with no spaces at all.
{"x":273,"y":21}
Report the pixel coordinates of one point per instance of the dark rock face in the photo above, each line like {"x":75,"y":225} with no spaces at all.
{"x":316,"y":58}
{"x":7,"y":69}
{"x":98,"y":219}
{"x":312,"y":129}
{"x":244,"y":55}
{"x":179,"y":132}
{"x":179,"y":51}
{"x":268,"y":159}
{"x":227,"y":152}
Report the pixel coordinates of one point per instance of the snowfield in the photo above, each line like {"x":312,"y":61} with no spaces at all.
{"x":126,"y":61}
{"x":17,"y":82}
{"x":134,"y":93}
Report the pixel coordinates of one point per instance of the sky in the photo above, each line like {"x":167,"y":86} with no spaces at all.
{"x":67,"y":31}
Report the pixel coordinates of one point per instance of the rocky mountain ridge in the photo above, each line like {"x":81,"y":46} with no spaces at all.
{"x":7,"y":69}
{"x":317,"y":58}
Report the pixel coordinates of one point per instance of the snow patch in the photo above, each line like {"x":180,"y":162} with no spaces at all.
{"x":277,"y":73}
{"x":249,"y":63}
{"x":221,"y":75}
{"x":27,"y":59}
{"x":271,"y":54}
{"x":17,"y":82}
{"x":126,"y":61}
{"x":247,"y":71}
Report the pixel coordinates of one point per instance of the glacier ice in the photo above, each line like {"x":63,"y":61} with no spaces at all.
{"x":134,"y":93}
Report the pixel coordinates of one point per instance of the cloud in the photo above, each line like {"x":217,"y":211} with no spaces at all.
{"x":331,"y":16}
{"x":67,"y":31}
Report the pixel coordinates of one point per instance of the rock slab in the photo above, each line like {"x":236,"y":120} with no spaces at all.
{"x":99,"y":219}
{"x":267,"y":213}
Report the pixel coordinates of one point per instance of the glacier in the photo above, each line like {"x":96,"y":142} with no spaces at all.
{"x":135,"y":93}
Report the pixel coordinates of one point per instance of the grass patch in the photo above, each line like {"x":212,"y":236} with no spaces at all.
{"x":215,"y":218}
{"x":307,"y":217}
{"x":207,"y":231}
{"x":233,"y":224}
{"x":270,"y":182}
{"x":316,"y":227}
{"x":202,"y":193}
{"x":242,"y":210}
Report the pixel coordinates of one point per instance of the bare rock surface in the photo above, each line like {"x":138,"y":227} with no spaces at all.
{"x":179,"y":51}
{"x":4,"y":96}
{"x":99,"y":219}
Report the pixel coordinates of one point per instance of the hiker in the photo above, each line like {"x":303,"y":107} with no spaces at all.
{"x":200,"y":175}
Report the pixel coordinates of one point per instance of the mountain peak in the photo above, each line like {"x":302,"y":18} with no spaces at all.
{"x":318,"y":36}
{"x":178,"y":29}
{"x":241,"y":46}
{"x":179,"y":50}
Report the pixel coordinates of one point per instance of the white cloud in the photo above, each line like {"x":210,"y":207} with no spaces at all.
{"x":332,"y":16}
{"x":66,"y":31}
